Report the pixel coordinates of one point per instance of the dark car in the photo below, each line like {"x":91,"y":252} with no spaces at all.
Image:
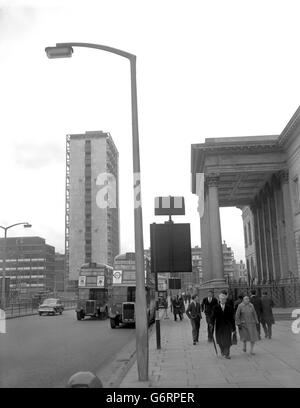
{"x":51,"y":306}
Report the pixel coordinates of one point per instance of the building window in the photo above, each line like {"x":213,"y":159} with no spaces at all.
{"x":250,"y":234}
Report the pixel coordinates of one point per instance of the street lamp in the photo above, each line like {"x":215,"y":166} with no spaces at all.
{"x":65,"y":50}
{"x":3,"y":297}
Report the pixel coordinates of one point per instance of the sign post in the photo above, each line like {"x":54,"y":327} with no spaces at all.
{"x":170,"y":246}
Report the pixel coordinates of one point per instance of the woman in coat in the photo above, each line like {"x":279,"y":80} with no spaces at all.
{"x":246,"y":320}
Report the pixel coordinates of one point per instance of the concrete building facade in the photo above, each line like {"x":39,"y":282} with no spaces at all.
{"x":29,"y":265}
{"x":228,"y":261}
{"x":59,"y":283}
{"x":92,"y":201}
{"x":240,"y":274}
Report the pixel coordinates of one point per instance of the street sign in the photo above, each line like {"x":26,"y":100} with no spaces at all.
{"x":81,"y":281}
{"x":170,"y":248}
{"x":174,"y":283}
{"x":169,"y":206}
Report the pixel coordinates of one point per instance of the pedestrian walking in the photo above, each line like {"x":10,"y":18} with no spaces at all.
{"x":176,"y":306}
{"x":193,"y":312}
{"x":229,"y":299}
{"x":267,"y":318}
{"x":237,"y":302}
{"x":207,"y":305}
{"x":181,"y":307}
{"x":256,"y":301}
{"x":246,"y":320}
{"x":223,"y":321}
{"x":188,"y":296}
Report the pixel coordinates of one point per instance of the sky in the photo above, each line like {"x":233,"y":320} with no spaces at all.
{"x":204,"y":69}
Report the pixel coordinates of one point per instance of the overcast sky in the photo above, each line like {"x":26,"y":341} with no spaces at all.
{"x":204,"y":69}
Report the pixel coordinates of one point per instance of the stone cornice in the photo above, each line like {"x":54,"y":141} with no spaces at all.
{"x":289,"y":131}
{"x":245,"y":147}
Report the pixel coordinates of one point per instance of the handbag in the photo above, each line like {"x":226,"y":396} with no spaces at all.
{"x":234,"y":339}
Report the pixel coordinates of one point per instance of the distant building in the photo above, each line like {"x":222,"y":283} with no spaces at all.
{"x":249,"y":239}
{"x":29,"y":265}
{"x":228,"y":261}
{"x":193,"y":280}
{"x":240,"y":272}
{"x":92,"y":201}
{"x":59,"y":282}
{"x":197,"y":275}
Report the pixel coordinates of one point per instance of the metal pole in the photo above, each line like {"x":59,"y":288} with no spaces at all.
{"x":141,"y":307}
{"x":157,"y":321}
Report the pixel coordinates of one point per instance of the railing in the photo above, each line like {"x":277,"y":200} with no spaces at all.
{"x":285,"y":292}
{"x":30,"y":307}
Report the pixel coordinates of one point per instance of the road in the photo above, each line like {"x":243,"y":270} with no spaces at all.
{"x":44,"y":351}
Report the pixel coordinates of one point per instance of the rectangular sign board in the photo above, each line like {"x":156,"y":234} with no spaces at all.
{"x":169,"y":206}
{"x":170,"y":248}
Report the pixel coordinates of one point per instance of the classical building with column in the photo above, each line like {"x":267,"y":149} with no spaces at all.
{"x":259,"y":174}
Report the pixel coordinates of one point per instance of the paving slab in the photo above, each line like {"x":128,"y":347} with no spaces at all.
{"x":180,"y":364}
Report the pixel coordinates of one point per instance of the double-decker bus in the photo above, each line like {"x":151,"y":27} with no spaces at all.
{"x":94,"y":282}
{"x":122,"y":292}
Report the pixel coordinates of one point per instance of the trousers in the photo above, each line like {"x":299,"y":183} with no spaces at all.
{"x":195,"y":328}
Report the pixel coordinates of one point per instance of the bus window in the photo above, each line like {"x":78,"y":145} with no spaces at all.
{"x":131,"y":294}
{"x":97,"y":294}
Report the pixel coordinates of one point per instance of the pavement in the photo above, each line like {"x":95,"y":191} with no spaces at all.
{"x":180,"y":364}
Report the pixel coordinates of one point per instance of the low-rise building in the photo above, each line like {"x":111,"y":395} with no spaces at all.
{"x":29,"y":264}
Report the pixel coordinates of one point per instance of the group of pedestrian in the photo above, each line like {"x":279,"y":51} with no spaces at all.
{"x":223,"y":316}
{"x":177,"y":307}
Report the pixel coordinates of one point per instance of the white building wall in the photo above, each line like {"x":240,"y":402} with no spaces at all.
{"x":99,"y":215}
{"x":293,"y":161}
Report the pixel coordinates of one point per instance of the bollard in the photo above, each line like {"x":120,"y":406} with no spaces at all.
{"x":84,"y":379}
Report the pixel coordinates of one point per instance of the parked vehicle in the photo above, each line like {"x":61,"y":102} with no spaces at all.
{"x":51,"y":306}
{"x":123,"y":290}
{"x":94,"y":282}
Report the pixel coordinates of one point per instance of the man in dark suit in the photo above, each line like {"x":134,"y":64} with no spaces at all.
{"x":223,"y":320}
{"x":193,"y":312}
{"x":267,"y":318}
{"x":256,"y":301}
{"x":207,"y":305}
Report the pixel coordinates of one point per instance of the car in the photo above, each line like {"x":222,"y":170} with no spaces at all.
{"x":51,"y":306}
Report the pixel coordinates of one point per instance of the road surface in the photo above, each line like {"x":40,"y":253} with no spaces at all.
{"x":44,"y":351}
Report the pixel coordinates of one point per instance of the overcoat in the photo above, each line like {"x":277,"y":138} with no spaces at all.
{"x":224,"y":324}
{"x":246,"y":319}
{"x":267,"y":313}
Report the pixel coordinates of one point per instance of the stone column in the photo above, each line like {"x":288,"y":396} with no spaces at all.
{"x":268,"y":234}
{"x":288,"y":224}
{"x":205,"y":240}
{"x":283,"y":260}
{"x":254,"y":210}
{"x":274,"y":234}
{"x":216,"y":253}
{"x":262,"y":243}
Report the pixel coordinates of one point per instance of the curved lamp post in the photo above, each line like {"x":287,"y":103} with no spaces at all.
{"x":3,"y":297}
{"x":64,"y":50}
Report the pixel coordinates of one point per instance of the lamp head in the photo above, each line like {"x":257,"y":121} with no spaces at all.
{"x":59,"y":52}
{"x":27,"y":225}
